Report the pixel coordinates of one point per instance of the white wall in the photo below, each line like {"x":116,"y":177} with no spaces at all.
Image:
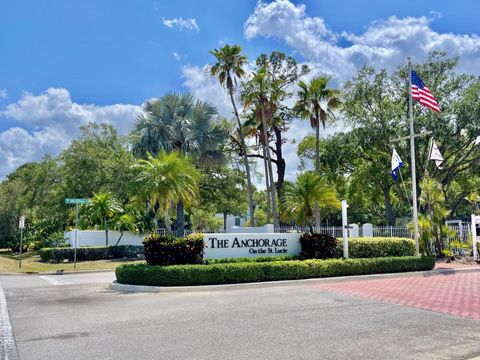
{"x":97,"y":238}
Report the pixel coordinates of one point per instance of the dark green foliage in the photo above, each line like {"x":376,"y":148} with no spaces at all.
{"x":376,"y":247}
{"x":255,"y":259}
{"x":182,"y":275}
{"x":89,"y":253}
{"x":317,"y":246}
{"x":169,"y":250}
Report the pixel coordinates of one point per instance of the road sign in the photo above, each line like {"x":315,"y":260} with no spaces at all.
{"x":21,"y":222}
{"x":76,"y":201}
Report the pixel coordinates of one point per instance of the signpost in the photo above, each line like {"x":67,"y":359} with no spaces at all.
{"x":21,"y":226}
{"x":76,"y":202}
{"x":345,"y":228}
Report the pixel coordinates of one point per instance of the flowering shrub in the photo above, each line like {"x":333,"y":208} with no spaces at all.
{"x":169,"y":250}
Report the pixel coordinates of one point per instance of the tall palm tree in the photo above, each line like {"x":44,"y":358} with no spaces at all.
{"x":262,"y":93}
{"x":165,"y":179}
{"x":230,"y":66}
{"x":316,"y":102}
{"x":101,"y":209}
{"x":176,"y":122}
{"x":300,"y":197}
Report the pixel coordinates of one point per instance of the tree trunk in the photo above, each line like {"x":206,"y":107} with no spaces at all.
{"x":272,"y":183}
{"x":120,"y":238}
{"x":267,"y":183}
{"x":180,"y":220}
{"x":317,"y":166}
{"x":106,"y":232}
{"x":281,"y":165}
{"x":225,"y":222}
{"x":245,"y":159}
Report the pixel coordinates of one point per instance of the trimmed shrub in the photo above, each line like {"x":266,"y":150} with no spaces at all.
{"x":90,"y":253}
{"x":169,"y":250}
{"x":228,"y":273}
{"x":376,"y":247}
{"x":255,"y":259}
{"x":317,"y":246}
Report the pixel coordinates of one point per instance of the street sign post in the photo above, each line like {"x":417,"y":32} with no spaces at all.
{"x":72,"y":201}
{"x":21,"y":226}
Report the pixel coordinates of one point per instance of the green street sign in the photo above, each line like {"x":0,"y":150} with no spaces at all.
{"x":76,"y":201}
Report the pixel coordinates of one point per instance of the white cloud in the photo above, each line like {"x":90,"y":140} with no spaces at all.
{"x":385,"y":43}
{"x":207,"y":88}
{"x":49,"y":121}
{"x":176,"y":56}
{"x":187,"y":24}
{"x":3,"y":94}
{"x":55,"y":109}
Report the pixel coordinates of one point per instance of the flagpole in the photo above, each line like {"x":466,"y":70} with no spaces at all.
{"x":412,"y":157}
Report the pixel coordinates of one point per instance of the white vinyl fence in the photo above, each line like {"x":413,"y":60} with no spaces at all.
{"x":355,"y":231}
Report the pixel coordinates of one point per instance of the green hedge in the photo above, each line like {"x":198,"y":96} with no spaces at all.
{"x":255,"y":259}
{"x":376,"y":247}
{"x":228,"y":273}
{"x":89,"y":253}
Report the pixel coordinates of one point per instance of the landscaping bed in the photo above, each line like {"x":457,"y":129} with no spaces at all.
{"x":244,"y":272}
{"x":90,"y":253}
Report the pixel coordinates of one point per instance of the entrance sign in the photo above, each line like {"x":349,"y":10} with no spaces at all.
{"x":221,"y":245}
{"x":76,"y":201}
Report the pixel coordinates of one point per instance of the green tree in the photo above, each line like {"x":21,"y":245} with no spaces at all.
{"x":267,"y":94}
{"x":124,"y":222}
{"x":98,"y":161}
{"x":165,"y":179}
{"x":176,"y":122}
{"x":230,"y":66}
{"x":300,"y":197}
{"x":433,"y":230}
{"x":222,"y":191}
{"x":316,"y":102}
{"x":102,"y":209}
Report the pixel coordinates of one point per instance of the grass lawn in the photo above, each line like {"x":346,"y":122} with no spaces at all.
{"x":32,"y":263}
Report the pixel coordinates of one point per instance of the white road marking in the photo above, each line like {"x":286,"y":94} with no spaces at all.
{"x":8,"y":348}
{"x":53,"y":281}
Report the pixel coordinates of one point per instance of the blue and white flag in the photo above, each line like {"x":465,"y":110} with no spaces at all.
{"x":396,"y":164}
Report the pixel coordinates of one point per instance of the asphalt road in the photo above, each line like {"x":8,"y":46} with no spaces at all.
{"x":76,"y":317}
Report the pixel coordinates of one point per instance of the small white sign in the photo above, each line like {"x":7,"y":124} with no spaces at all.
{"x":221,"y":245}
{"x":21,"y":222}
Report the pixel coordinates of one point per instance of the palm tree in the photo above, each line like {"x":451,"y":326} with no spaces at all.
{"x":262,"y":94}
{"x":176,"y":122}
{"x":300,"y":197}
{"x":101,"y":209}
{"x":124,"y":222}
{"x":165,"y":179}
{"x":230,"y":66}
{"x":317,"y":102}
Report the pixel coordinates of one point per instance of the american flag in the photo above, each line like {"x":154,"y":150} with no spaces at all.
{"x":422,"y":94}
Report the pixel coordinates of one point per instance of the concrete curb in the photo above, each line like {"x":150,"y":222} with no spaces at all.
{"x":69,"y":272}
{"x":114,"y":285}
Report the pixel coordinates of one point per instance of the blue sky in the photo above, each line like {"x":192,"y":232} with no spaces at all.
{"x":64,"y":63}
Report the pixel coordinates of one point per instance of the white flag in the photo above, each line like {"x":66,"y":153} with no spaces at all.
{"x":435,"y":155}
{"x":396,"y":164}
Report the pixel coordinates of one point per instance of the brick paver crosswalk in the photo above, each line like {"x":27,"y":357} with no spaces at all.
{"x":455,"y":294}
